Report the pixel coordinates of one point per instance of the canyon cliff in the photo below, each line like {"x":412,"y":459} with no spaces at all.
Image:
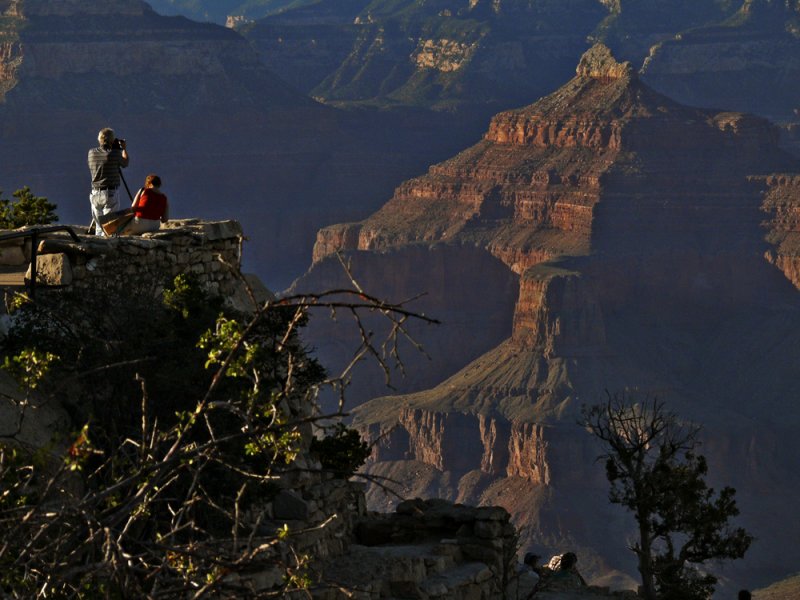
{"x":639,"y":240}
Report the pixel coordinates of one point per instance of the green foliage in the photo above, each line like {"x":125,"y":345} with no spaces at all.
{"x":185,"y":297}
{"x":137,"y":334}
{"x":174,"y":440}
{"x":223,"y":340}
{"x":29,"y":367}
{"x":342,"y":452}
{"x":25,"y":209}
{"x":187,"y":417}
{"x":688,"y":508}
{"x":655,"y":472}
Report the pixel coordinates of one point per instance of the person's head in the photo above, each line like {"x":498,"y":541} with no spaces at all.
{"x":152,"y":181}
{"x":106,"y":137}
{"x":745,"y":595}
{"x":568,"y":560}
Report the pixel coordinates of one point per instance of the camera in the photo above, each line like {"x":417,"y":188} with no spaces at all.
{"x":118,"y":143}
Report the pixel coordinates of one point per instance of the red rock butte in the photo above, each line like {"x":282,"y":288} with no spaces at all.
{"x":639,"y":239}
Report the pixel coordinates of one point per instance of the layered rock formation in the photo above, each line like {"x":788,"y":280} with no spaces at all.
{"x":635,"y":227}
{"x":453,"y":282}
{"x":9,"y":45}
{"x":218,"y":11}
{"x":632,"y":28}
{"x":306,"y":44}
{"x":782,"y":205}
{"x":61,"y":52}
{"x":711,"y":53}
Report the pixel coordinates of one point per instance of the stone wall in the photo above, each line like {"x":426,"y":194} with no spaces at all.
{"x":426,"y":549}
{"x":211,"y":251}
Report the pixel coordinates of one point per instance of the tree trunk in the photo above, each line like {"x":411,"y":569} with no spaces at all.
{"x":645,"y":557}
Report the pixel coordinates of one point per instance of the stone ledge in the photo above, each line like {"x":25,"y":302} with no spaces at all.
{"x":207,"y":230}
{"x":52,"y":269}
{"x":210,"y":251}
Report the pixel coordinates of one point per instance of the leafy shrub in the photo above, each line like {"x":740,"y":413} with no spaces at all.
{"x":181,"y":426}
{"x":186,"y":418}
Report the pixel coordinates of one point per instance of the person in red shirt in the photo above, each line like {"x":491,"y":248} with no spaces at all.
{"x":150,"y":207}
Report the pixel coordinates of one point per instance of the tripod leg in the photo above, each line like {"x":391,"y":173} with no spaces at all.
{"x":127,"y":189}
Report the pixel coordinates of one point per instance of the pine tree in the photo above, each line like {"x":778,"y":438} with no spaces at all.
{"x":655,"y":472}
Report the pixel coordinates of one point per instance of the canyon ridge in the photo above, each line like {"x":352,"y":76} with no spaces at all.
{"x":603,"y":238}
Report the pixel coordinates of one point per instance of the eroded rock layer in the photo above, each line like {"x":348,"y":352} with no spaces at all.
{"x":59,"y":47}
{"x":635,"y":226}
{"x":782,"y":206}
{"x":603,"y":165}
{"x":444,"y":54}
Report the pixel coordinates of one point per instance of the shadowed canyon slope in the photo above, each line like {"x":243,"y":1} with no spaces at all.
{"x":449,"y":53}
{"x":749,"y":62}
{"x":444,"y":53}
{"x":196,"y":105}
{"x":217,"y":11}
{"x":634,"y":230}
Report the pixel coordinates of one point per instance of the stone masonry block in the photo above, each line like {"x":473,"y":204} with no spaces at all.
{"x":52,"y":269}
{"x":482,"y":553}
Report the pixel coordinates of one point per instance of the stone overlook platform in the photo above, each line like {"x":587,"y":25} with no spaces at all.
{"x":210,"y":250}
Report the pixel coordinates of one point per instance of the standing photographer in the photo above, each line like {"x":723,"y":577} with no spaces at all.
{"x":105,"y":163}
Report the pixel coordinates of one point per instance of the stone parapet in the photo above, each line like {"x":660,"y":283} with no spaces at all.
{"x":426,"y":549}
{"x":210,"y":251}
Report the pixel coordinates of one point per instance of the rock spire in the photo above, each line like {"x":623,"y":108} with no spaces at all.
{"x":599,"y":63}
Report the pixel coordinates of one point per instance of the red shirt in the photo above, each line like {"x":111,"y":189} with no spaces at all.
{"x":152,"y":205}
